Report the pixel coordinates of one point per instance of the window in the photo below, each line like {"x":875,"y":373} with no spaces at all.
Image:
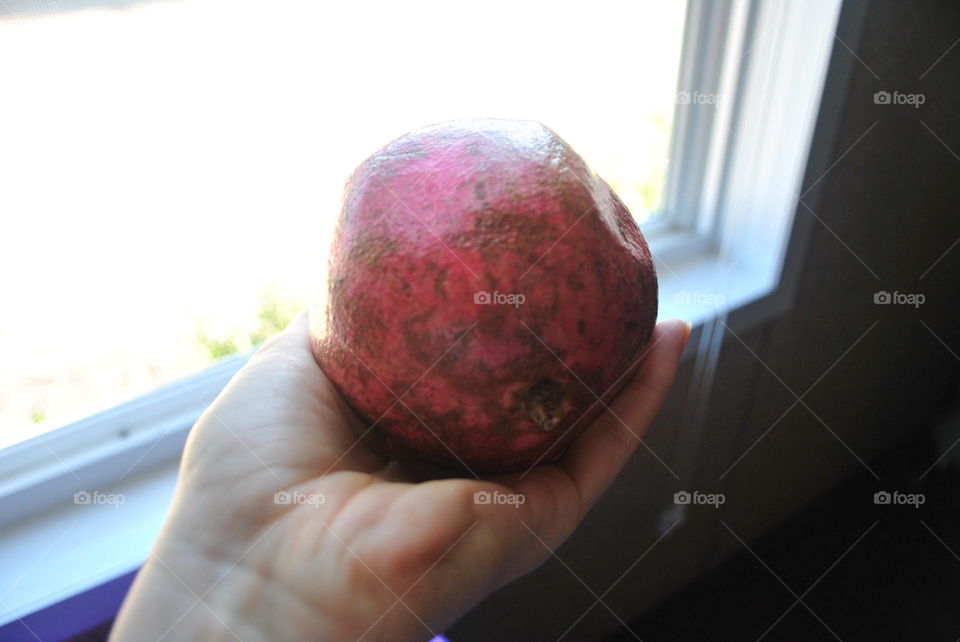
{"x":172,"y":174}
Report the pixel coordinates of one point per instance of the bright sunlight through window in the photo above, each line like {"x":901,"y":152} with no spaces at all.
{"x":171,"y":169}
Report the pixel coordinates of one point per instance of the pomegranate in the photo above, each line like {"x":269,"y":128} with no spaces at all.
{"x":486,"y":288}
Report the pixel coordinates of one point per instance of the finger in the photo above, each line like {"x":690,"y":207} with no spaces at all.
{"x":293,"y":345}
{"x":296,"y":332}
{"x":595,"y":459}
{"x":282,"y":401}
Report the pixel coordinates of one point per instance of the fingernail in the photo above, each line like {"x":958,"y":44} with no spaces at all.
{"x":686,"y":338}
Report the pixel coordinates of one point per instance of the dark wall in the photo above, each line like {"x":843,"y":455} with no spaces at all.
{"x":879,"y":373}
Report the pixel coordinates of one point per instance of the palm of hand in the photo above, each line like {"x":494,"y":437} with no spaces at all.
{"x":362,"y":542}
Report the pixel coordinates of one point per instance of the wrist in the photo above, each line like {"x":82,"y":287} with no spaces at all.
{"x":182,"y":593}
{"x":175,"y":596}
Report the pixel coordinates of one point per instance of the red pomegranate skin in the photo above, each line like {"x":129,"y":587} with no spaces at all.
{"x":466,"y":207}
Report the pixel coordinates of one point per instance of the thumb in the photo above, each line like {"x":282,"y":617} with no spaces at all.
{"x":597,"y":456}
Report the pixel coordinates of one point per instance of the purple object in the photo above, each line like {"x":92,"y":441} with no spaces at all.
{"x":85,"y":617}
{"x":74,"y":616}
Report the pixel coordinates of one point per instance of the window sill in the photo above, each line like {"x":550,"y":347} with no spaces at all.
{"x":68,"y":548}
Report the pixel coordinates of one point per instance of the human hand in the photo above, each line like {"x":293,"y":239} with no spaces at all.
{"x":366,"y":548}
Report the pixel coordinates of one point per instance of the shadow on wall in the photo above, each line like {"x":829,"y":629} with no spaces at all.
{"x":39,"y":8}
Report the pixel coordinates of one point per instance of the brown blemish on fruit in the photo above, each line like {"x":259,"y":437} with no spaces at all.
{"x":418,"y":337}
{"x":480,"y":191}
{"x":438,"y":283}
{"x":543,"y":403}
{"x":505,"y":232}
{"x":575,"y":282}
{"x":371,"y":249}
{"x":581,"y":327}
{"x":358,"y":314}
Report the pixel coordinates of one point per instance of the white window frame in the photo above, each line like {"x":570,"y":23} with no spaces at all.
{"x":730,"y":200}
{"x":737,"y":169}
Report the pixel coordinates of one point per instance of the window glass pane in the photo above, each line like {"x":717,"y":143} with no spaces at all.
{"x":171,"y":170}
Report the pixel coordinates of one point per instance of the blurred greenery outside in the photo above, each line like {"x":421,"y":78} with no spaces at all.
{"x":644,"y":197}
{"x":273,"y":316}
